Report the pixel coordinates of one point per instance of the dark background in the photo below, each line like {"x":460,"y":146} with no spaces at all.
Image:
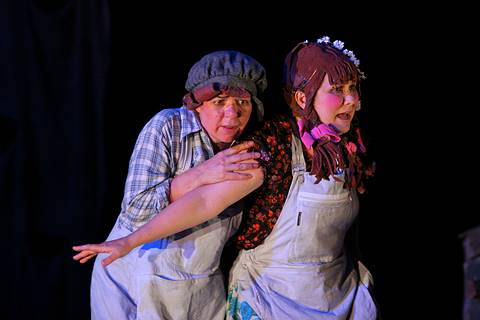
{"x":79,"y":79}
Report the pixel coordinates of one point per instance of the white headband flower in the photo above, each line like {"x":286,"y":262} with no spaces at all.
{"x":339,"y":45}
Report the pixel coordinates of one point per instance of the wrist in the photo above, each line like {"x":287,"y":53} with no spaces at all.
{"x":131,"y":241}
{"x":193,"y":178}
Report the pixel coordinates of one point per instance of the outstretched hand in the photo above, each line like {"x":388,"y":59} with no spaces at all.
{"x":117,"y":249}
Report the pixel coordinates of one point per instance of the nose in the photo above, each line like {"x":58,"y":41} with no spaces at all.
{"x":351,"y":98}
{"x":231,"y":110}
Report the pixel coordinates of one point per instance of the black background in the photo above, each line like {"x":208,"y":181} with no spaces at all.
{"x":79,"y":79}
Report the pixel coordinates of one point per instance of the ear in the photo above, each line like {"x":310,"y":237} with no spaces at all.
{"x":199,"y":108}
{"x":359,"y":106}
{"x":300,"y":99}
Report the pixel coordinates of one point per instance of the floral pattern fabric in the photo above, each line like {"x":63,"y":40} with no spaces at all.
{"x":266,"y":203}
{"x":239,"y":310}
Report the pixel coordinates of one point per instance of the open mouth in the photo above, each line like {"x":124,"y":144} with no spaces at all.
{"x":344,"y":116}
{"x":230,"y":128}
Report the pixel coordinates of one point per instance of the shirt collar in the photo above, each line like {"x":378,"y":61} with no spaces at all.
{"x":189,"y":122}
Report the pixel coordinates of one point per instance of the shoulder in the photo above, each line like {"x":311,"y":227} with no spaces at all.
{"x":279,"y":123}
{"x":275,"y":131}
{"x":165,"y":116}
{"x":273,"y":140}
{"x":163,"y":121}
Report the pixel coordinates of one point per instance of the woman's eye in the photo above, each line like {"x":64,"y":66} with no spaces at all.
{"x":337,"y":89}
{"x":218,"y":101}
{"x":242,"y":102}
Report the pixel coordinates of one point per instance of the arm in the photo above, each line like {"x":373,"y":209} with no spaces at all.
{"x":192,"y":209}
{"x":148,"y":182}
{"x":151,"y":184}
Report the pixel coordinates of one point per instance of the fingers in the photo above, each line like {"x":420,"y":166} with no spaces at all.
{"x":82,"y":247}
{"x":243,"y":156}
{"x":84,"y":256}
{"x":239,"y":147}
{"x":88,"y":251}
{"x":87,"y":258}
{"x":242,"y":166}
{"x":238,"y":162}
{"x":237,"y":176}
{"x":108,"y":260}
{"x":98,"y":248}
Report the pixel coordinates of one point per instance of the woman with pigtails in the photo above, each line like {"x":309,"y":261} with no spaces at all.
{"x":293,"y":262}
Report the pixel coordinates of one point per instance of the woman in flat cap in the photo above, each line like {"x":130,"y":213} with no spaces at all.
{"x":178,"y":150}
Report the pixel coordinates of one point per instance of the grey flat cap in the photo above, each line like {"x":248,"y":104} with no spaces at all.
{"x":230,"y":68}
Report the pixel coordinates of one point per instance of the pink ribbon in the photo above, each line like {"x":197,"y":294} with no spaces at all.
{"x":320,"y":131}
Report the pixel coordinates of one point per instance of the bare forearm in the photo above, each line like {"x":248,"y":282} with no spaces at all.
{"x":184,"y":183}
{"x":178,"y":216}
{"x":195,"y":207}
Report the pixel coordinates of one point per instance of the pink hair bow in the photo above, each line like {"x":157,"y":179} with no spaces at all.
{"x":320,"y":132}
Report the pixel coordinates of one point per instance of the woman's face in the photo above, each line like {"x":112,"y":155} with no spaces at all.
{"x":225,"y":117}
{"x":336,"y":104}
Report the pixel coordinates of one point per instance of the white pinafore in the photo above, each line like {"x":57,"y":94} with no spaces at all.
{"x":301,"y":270}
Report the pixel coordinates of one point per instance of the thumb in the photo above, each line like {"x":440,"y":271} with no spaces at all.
{"x":108,"y":260}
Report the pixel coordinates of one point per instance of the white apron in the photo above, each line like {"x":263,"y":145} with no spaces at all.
{"x":174,"y":278}
{"x":301,"y":270}
{"x":165,"y":279}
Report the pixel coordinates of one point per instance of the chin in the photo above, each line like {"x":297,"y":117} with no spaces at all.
{"x":227,"y":140}
{"x":342,"y":129}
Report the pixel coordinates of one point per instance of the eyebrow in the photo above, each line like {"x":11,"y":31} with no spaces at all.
{"x":349,"y":83}
{"x":222,"y":96}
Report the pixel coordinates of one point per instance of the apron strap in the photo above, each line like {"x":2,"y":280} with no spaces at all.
{"x":298,"y":161}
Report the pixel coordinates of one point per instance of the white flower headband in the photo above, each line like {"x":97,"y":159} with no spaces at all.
{"x":337,"y":44}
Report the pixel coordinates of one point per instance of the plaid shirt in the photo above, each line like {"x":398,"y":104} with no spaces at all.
{"x":172,"y":142}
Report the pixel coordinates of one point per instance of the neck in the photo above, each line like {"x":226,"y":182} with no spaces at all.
{"x":219,"y":146}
